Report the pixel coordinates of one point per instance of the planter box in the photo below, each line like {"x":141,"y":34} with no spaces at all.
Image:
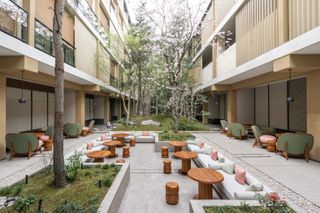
{"x":197,"y":206}
{"x":159,"y":144}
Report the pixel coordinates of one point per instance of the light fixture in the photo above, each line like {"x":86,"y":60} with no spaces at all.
{"x":22,"y":100}
{"x":290,"y":99}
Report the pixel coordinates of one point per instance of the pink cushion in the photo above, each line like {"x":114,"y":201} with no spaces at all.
{"x":201,"y":145}
{"x":40,"y":143}
{"x":240,"y":175}
{"x":89,"y":145}
{"x":214,"y":155}
{"x":145,"y":134}
{"x":44,"y":137}
{"x":85,"y":128}
{"x":103,"y":137}
{"x":266,"y":138}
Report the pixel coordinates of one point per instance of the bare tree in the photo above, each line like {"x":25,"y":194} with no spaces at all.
{"x":58,"y":156}
{"x":178,"y":24}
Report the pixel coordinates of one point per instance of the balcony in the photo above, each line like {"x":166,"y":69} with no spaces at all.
{"x":114,"y":81}
{"x":227,"y":60}
{"x":207,"y":73}
{"x":44,"y":42}
{"x":13,"y":20}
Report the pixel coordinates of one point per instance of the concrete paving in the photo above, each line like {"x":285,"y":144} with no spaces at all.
{"x":296,"y":179}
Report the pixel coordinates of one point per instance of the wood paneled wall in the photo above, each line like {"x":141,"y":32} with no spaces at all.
{"x":303,"y":16}
{"x":256,"y":29}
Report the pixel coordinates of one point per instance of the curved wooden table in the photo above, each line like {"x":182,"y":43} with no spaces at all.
{"x":99,"y":155}
{"x":186,"y":157}
{"x":112,"y":147}
{"x":177,"y":146}
{"x":205,"y":178}
{"x":119,"y":137}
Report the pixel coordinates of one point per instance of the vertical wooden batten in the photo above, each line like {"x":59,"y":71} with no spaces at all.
{"x":2,"y":116}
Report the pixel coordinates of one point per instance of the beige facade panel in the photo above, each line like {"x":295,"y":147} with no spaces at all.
{"x":18,"y":63}
{"x":304,"y":15}
{"x":44,"y":13}
{"x":104,"y":19}
{"x":86,"y":52}
{"x":3,"y":116}
{"x":256,"y":29}
{"x":207,"y":25}
{"x":298,"y":63}
{"x":222,"y":7}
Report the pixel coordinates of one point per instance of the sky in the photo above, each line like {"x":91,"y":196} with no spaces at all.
{"x":132,"y":5}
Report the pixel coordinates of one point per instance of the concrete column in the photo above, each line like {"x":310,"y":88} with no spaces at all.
{"x":30,"y":6}
{"x":205,"y":108}
{"x":313,"y":112}
{"x":283,"y":20}
{"x":106,"y":109}
{"x":232,"y":106}
{"x":2,"y":116}
{"x":80,"y":107}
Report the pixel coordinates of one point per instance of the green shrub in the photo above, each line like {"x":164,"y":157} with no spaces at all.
{"x":171,"y":136}
{"x":17,"y":189}
{"x":73,"y":166}
{"x":87,"y":173}
{"x":106,"y":166}
{"x":113,"y":165}
{"x":68,"y":207}
{"x":92,"y":209}
{"x":5,"y":191}
{"x":107,"y":182}
{"x":21,"y":205}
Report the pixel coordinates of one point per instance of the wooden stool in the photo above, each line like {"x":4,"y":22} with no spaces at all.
{"x":272,"y":146}
{"x":167,"y":166}
{"x":133,"y":142}
{"x":164,"y":152}
{"x":125,"y":152}
{"x":120,"y":160}
{"x":172,"y":193}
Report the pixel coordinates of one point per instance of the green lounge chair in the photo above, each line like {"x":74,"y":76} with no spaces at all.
{"x":260,"y":138}
{"x":237,"y":130}
{"x":50,"y":131}
{"x":72,"y":130}
{"x":295,"y":144}
{"x":22,"y":144}
{"x":224,"y":126}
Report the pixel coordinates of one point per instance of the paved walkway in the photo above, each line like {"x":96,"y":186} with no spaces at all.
{"x":295,"y":179}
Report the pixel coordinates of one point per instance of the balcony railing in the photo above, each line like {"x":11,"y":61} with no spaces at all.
{"x":44,"y":42}
{"x":13,"y":20}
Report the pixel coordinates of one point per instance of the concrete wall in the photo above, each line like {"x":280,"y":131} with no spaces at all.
{"x":261,"y":103}
{"x":69,"y":106}
{"x":278,"y":105}
{"x":213,"y":106}
{"x":245,"y":106}
{"x":99,"y":107}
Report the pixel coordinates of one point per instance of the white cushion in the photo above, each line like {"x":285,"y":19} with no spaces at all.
{"x":204,"y":160}
{"x":215,"y":165}
{"x":248,"y":195}
{"x":145,"y":139}
{"x":207,"y":150}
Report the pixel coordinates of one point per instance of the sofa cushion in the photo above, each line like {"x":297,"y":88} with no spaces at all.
{"x":146,"y":133}
{"x":265,"y":138}
{"x":229,"y":185}
{"x":201,"y":144}
{"x":195,"y":148}
{"x":215,"y":165}
{"x":40,"y":143}
{"x":255,"y":187}
{"x":89,"y":145}
{"x":204,"y":159}
{"x":240,"y":175}
{"x":248,"y":195}
{"x":214,"y":155}
{"x":228,"y":167}
{"x":145,"y":139}
{"x":207,"y":150}
{"x":221,"y":159}
{"x":44,"y":137}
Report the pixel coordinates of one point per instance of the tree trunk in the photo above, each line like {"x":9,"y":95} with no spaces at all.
{"x":58,"y":156}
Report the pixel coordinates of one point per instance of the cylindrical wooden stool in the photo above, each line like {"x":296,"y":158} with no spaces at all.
{"x":133,"y":142}
{"x":272,"y":146}
{"x":166,"y":166}
{"x":172,"y":193}
{"x":164,"y":152}
{"x":120,"y":160}
{"x":125,"y":152}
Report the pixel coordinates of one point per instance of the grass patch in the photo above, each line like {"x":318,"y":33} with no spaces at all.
{"x":245,"y":209}
{"x":84,"y":192}
{"x":165,"y":124}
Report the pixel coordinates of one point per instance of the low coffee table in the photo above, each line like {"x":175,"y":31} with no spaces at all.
{"x":120,"y":137}
{"x":205,"y":177}
{"x":99,"y":155}
{"x":186,"y":157}
{"x":177,"y":146}
{"x":112,"y":147}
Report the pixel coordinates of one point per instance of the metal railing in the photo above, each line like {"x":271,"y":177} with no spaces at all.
{"x":44,"y":42}
{"x":13,"y":20}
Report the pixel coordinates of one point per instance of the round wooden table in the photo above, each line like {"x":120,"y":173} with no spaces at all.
{"x":205,"y":178}
{"x":120,"y":137}
{"x":112,"y":147}
{"x":99,"y":155}
{"x":186,"y":157}
{"x":178,"y":145}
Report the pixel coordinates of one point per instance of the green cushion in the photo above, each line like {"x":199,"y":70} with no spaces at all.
{"x":296,"y":143}
{"x":72,"y":129}
{"x":20,"y":142}
{"x":237,"y":130}
{"x":228,"y":168}
{"x":221,"y":160}
{"x":49,"y":131}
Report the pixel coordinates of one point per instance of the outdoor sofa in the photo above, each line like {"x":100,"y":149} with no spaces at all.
{"x":72,"y":130}
{"x":237,"y":130}
{"x":143,"y":137}
{"x":260,"y":138}
{"x":229,"y":188}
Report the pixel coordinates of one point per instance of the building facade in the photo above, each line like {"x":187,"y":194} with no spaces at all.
{"x":94,"y":48}
{"x":253,"y":55}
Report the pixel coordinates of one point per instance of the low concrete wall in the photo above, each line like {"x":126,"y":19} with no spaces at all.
{"x":197,"y":206}
{"x":159,"y":144}
{"x":112,"y":201}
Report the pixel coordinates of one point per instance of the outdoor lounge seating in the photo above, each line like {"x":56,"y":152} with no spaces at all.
{"x":72,"y":130}
{"x":295,"y":144}
{"x":143,"y":137}
{"x":23,"y":144}
{"x":229,"y":188}
{"x":237,"y":130}
{"x":224,"y":126}
{"x":261,"y":139}
{"x":88,"y":129}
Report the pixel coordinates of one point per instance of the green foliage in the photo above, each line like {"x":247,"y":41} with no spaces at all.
{"x":87,"y":173}
{"x":106,"y":166}
{"x":21,"y":205}
{"x":93,"y":209}
{"x":107,"y":182}
{"x":171,"y":136}
{"x":73,"y":166}
{"x":17,"y":189}
{"x":68,"y":207}
{"x":5,"y":191}
{"x":192,"y":125}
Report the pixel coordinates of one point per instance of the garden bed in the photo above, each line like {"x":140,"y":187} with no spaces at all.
{"x":84,"y":194}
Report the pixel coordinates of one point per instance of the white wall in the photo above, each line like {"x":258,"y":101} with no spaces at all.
{"x":245,"y":106}
{"x":18,"y":115}
{"x":69,"y":106}
{"x":227,"y":60}
{"x":99,"y":107}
